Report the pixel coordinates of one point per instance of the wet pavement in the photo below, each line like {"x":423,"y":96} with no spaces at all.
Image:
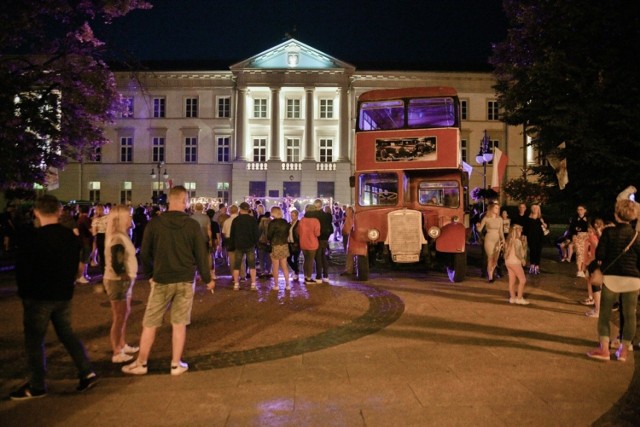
{"x":405,"y":348}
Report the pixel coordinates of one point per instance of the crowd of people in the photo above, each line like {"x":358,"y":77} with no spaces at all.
{"x":175,"y":246}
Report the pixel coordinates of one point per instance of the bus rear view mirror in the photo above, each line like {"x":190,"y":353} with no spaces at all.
{"x":352,"y":181}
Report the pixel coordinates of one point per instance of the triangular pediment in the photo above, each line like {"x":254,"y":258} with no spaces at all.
{"x":292,"y":55}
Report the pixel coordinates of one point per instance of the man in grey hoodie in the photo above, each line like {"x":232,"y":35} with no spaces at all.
{"x":172,"y":247}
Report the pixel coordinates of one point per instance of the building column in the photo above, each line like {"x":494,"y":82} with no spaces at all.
{"x":345,"y":124}
{"x":308,"y":125}
{"x":274,"y":149}
{"x":241,"y":95}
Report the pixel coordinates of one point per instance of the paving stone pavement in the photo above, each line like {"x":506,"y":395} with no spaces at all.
{"x":405,"y":348}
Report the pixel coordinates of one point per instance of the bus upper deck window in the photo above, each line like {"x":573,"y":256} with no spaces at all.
{"x":431,"y":112}
{"x":381,"y":115}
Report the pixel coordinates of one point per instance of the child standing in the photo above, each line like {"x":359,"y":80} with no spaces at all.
{"x":514,"y":259}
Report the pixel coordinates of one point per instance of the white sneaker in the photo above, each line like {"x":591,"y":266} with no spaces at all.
{"x":121,"y":358}
{"x":318,"y":281}
{"x":135,"y":368}
{"x":82,"y":280}
{"x":180,"y":368}
{"x":522,"y":301}
{"x":512,"y":300}
{"x":236,"y":286}
{"x":254,"y":287}
{"x":288,"y":287}
{"x":325,"y":280}
{"x":580,"y":274}
{"x":130,"y":349}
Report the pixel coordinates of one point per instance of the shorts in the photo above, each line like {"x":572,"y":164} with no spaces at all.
{"x":85,"y":254}
{"x":178,"y":295}
{"x":118,"y":290}
{"x":251,"y":258}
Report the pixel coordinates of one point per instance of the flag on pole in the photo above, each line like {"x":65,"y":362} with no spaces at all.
{"x":500,"y":161}
{"x":560,"y":166}
{"x":467,"y":168}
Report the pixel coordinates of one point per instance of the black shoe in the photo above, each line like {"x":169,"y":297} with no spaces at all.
{"x":87,"y":382}
{"x":26,"y":392}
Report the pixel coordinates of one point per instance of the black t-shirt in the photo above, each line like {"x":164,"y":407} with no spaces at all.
{"x":47,"y":262}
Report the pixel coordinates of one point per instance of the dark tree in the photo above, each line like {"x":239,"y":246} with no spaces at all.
{"x":568,"y":72}
{"x":56,"y":90}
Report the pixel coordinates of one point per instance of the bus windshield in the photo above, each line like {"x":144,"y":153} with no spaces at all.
{"x":439,"y":193}
{"x":376,"y":189}
{"x":412,"y":113}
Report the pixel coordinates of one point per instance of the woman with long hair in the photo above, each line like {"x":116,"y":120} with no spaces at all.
{"x":494,"y":238}
{"x":534,"y":230}
{"x":121,"y":268}
{"x":515,"y":257}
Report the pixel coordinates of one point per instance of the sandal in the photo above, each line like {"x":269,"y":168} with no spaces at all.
{"x":588,"y":301}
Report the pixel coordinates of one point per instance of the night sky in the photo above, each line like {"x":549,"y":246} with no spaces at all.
{"x":366,"y":33}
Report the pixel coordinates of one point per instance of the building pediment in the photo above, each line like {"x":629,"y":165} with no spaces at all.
{"x":291,"y":55}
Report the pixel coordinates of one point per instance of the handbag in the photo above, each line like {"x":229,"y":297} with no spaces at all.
{"x":597,"y":275}
{"x":545,"y":229}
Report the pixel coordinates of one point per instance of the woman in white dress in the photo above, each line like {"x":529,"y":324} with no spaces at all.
{"x":494,"y":238}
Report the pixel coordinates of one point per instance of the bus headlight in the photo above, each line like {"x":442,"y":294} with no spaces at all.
{"x":434,"y":232}
{"x":373,"y":234}
{"x":455,"y":219}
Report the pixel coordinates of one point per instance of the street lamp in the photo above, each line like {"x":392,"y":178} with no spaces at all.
{"x":485,"y":155}
{"x":157,"y":198}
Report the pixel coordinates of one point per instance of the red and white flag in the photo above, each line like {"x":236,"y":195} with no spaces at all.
{"x":500,"y":161}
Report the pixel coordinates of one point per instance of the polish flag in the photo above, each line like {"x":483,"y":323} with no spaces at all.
{"x":500,"y":161}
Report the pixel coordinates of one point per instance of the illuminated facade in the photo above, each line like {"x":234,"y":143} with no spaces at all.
{"x":279,"y":124}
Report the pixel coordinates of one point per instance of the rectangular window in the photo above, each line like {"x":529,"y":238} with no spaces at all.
{"x":326,"y":189}
{"x":94,"y":191}
{"x":326,"y":150}
{"x":127,"y":107}
{"x":492,"y":110}
{"x":158,"y":150}
{"x":191,"y":189}
{"x":223,"y":149}
{"x":126,"y":149}
{"x":260,"y":108}
{"x":191,"y":107}
{"x":223,"y":191}
{"x":463,"y":109}
{"x":159,"y":107}
{"x":291,"y":188}
{"x":326,"y":108}
{"x":257,"y":188}
{"x":293,"y":150}
{"x":126,"y":193}
{"x":191,"y":149}
{"x":97,"y":155}
{"x":378,"y":189}
{"x":260,"y":149}
{"x":463,"y":150}
{"x":293,"y":108}
{"x":224,"y":106}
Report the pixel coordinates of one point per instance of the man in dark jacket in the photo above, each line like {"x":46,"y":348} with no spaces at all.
{"x":46,"y":267}
{"x":173,"y":247}
{"x":326,"y":230}
{"x":244,"y":237}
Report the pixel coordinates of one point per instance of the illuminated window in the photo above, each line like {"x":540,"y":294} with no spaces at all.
{"x":326,"y":150}
{"x":223,"y":191}
{"x":492,"y":110}
{"x":191,"y":149}
{"x":94,"y":191}
{"x":126,"y":193}
{"x":159,"y":107}
{"x":223,"y":149}
{"x":126,"y":149}
{"x":224,"y":106}
{"x":326,"y":108}
{"x":293,"y":150}
{"x":260,"y":149}
{"x":158,"y":150}
{"x":191,"y":188}
{"x":260,"y":108}
{"x":191,"y":107}
{"x":293,"y":108}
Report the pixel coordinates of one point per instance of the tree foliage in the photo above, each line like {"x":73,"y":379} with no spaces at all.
{"x":567,"y":72}
{"x":56,"y":90}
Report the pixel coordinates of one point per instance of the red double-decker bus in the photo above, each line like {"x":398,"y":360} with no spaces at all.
{"x":410,"y":199}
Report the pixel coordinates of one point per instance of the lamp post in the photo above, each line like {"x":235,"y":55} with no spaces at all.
{"x":157,"y":198}
{"x":485,"y":155}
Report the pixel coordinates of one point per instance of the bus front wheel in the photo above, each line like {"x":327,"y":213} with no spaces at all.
{"x":457,"y":268}
{"x":362,"y":267}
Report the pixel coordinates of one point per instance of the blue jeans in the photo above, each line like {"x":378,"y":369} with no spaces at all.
{"x":627,"y":308}
{"x":37,"y":315}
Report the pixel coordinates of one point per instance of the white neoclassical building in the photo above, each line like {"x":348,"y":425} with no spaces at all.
{"x":279,"y":124}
